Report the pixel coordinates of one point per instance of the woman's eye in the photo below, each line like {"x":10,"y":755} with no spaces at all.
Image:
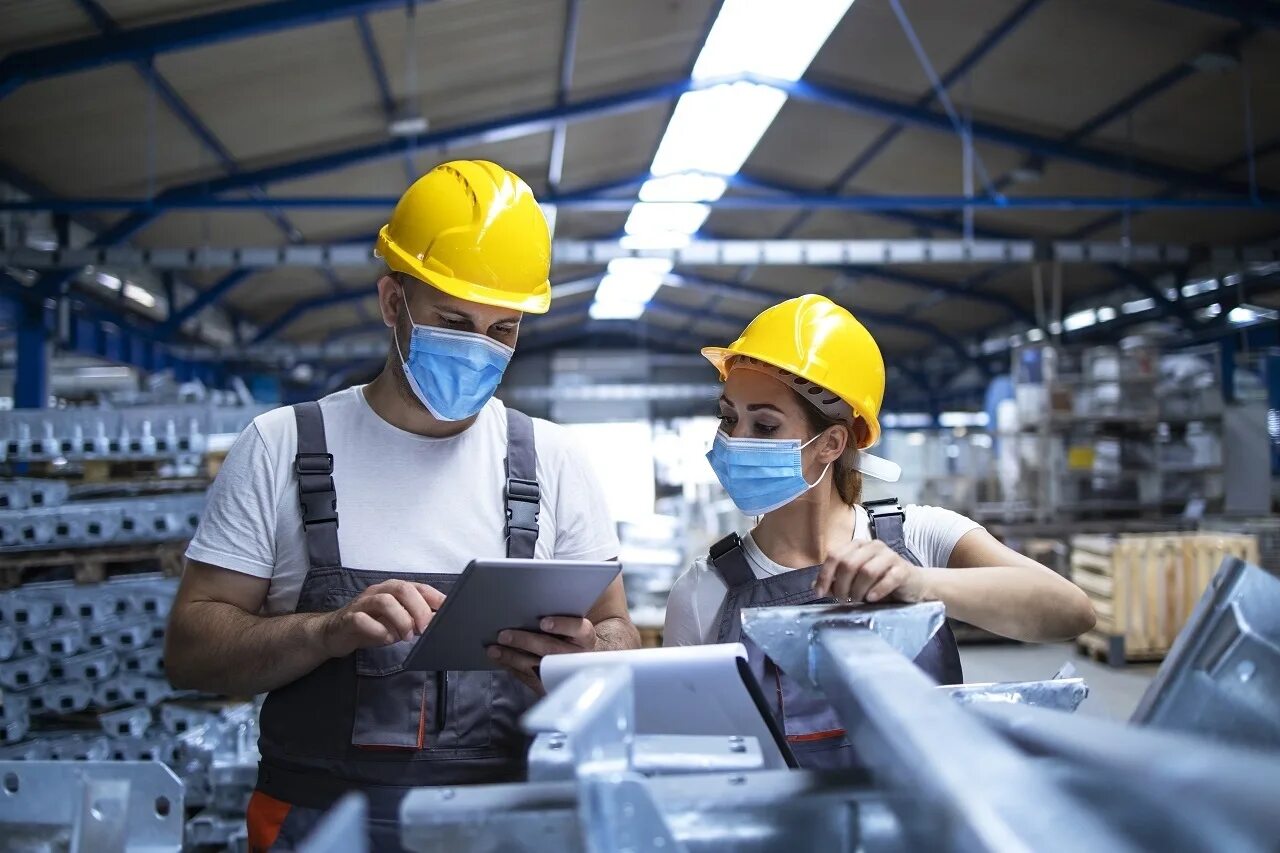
{"x":727,"y":420}
{"x":766,"y":429}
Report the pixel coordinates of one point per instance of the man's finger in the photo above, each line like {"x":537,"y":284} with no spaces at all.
{"x":371,"y":631}
{"x":434,"y":597}
{"x":536,"y":644}
{"x":576,"y":629}
{"x":515,"y":660}
{"x":413,"y":601}
{"x":390,"y":612}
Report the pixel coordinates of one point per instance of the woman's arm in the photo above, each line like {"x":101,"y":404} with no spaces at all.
{"x":991,"y":586}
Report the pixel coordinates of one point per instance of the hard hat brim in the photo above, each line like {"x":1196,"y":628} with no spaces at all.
{"x":536,"y":302}
{"x":721,"y":356}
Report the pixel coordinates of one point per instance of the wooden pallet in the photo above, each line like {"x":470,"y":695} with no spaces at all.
{"x":90,"y":565}
{"x":1110,"y":649}
{"x":1144,"y":586}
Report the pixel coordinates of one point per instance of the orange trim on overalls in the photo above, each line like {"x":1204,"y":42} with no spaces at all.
{"x":827,"y":735}
{"x":264,"y":818}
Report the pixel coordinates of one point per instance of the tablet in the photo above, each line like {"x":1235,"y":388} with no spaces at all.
{"x":491,"y":595}
{"x":689,"y":690}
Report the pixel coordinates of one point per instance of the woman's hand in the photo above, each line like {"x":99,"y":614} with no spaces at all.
{"x":869,"y":570}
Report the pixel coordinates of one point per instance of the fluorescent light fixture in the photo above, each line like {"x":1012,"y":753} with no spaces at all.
{"x":1204,"y":285}
{"x":1080,"y":320}
{"x":1035,"y":335}
{"x":915,"y":439}
{"x":962,"y":419}
{"x":980,"y":439}
{"x":1138,"y":305}
{"x":139,"y":295}
{"x":1106,"y":314}
{"x":640,"y":266}
{"x":108,"y":281}
{"x":661,"y":220}
{"x":715,"y":130}
{"x":1250,"y":313}
{"x":627,"y":288}
{"x":408,"y":126}
{"x":656,"y":240}
{"x":688,"y":186}
{"x":770,"y":38}
{"x":1210,"y":311}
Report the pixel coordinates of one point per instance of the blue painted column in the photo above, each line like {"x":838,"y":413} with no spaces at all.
{"x":31,"y":388}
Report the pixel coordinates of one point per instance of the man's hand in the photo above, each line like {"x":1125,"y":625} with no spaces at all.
{"x":871,"y":571}
{"x":522,"y":651}
{"x":383,"y":614}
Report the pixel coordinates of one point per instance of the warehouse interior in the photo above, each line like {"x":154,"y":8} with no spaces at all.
{"x":1058,"y":219}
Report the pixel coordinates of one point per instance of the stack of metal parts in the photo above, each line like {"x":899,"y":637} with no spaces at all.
{"x":989,"y":772}
{"x":143,"y":432}
{"x":81,"y":524}
{"x":82,"y":678}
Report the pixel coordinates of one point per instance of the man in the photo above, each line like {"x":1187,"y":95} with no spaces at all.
{"x":335,"y":530}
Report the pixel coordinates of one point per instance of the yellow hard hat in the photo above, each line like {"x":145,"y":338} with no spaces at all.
{"x":473,"y":230}
{"x":814,"y":338}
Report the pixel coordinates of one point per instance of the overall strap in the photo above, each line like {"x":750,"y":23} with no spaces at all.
{"x":319,"y":500}
{"x":522,"y":493}
{"x":887,"y":524}
{"x":726,"y":557}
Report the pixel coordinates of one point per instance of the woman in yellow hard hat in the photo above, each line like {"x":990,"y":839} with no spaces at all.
{"x":801,"y":403}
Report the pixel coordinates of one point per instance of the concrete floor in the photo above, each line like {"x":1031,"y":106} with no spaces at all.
{"x":1113,"y":693}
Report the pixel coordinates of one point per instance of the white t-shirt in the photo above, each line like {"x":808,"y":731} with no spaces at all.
{"x":931,"y":533}
{"x":406,"y":502}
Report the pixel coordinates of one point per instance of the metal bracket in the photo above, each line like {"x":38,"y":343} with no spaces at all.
{"x":92,"y":807}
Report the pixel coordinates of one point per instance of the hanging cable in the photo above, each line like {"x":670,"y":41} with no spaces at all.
{"x":940,"y":91}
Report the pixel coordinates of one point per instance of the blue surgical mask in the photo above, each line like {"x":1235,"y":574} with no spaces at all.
{"x":453,"y":373}
{"x":761,"y":474}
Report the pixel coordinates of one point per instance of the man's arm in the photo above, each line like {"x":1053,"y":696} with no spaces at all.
{"x":612,"y":620}
{"x":217,"y":642}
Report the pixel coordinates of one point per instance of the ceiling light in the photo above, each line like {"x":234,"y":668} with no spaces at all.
{"x":773,"y":39}
{"x":139,"y":295}
{"x":414,"y":125}
{"x":1138,"y":306}
{"x":108,"y":281}
{"x":715,"y":130}
{"x":1080,"y":320}
{"x":683,"y":187}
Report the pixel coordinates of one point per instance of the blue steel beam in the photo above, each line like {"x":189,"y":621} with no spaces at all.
{"x":870,"y":104}
{"x":144,"y":43}
{"x":961,"y":68}
{"x":959,"y":290}
{"x":737,"y":290}
{"x":381,"y":82}
{"x":209,"y":296}
{"x":1255,"y":13}
{"x":592,"y":200}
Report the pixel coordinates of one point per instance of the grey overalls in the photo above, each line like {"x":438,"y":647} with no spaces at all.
{"x":810,"y":723}
{"x":363,"y":722}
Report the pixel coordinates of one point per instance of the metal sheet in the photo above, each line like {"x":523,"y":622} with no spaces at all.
{"x":1221,"y":679}
{"x":589,"y":723}
{"x":1061,"y":694}
{"x":785,"y":633}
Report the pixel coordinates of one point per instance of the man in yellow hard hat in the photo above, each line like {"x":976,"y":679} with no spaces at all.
{"x":427,"y":471}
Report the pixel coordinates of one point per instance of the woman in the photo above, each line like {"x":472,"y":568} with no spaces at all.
{"x":802,"y":392}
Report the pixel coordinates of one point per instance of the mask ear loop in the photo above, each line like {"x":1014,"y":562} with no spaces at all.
{"x":824,"y":470}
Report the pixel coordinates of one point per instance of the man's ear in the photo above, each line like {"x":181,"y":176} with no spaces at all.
{"x":390,"y":295}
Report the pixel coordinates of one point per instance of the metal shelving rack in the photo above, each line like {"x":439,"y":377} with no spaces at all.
{"x":1123,"y":431}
